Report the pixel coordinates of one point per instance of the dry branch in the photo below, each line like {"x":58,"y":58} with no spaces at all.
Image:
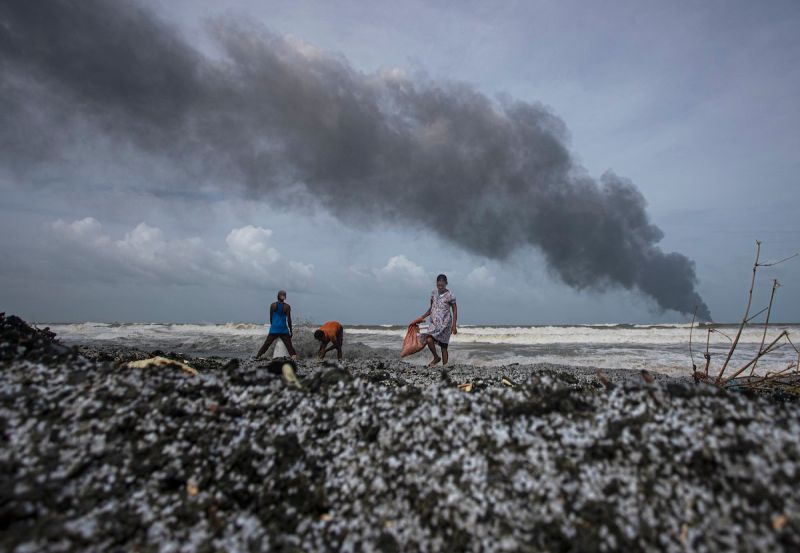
{"x":795,"y":349}
{"x":771,"y":374}
{"x":780,"y":261}
{"x":766,"y":322}
{"x":779,"y":377}
{"x":718,"y":331}
{"x":772,"y":346}
{"x":756,"y":315}
{"x":751,"y":381}
{"x":746,"y":312}
{"x":691,"y":328}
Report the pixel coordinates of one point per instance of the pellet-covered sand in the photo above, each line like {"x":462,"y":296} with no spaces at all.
{"x":381,"y":456}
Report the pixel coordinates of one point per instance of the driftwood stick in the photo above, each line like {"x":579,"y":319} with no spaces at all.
{"x":783,"y":380}
{"x":762,"y":353}
{"x":797,"y":350}
{"x":779,"y":262}
{"x":746,"y":312}
{"x":766,"y":321}
{"x":718,"y":331}
{"x":756,"y":315}
{"x":780,"y":372}
{"x":788,"y":339}
{"x":770,"y":376}
{"x":691,"y":329}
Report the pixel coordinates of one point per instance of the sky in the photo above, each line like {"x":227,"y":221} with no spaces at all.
{"x":561,"y":162}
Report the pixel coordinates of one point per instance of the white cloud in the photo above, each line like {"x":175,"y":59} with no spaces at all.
{"x":145,"y":253}
{"x":250,"y":243}
{"x":302,"y":269}
{"x":401,"y":270}
{"x":480,"y":277}
{"x":88,"y":227}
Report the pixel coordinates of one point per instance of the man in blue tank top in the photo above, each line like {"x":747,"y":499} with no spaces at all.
{"x":280,"y":326}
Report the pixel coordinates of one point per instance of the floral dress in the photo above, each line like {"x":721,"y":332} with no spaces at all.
{"x":441,"y":321}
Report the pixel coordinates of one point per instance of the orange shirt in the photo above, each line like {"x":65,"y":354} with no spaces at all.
{"x":330,"y":330}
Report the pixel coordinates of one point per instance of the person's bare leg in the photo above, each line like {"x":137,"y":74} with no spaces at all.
{"x":444,"y":356}
{"x":436,"y":358}
{"x":267,"y":343}
{"x":287,"y":341}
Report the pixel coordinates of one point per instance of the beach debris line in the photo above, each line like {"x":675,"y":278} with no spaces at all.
{"x":159,"y":362}
{"x":787,"y":379}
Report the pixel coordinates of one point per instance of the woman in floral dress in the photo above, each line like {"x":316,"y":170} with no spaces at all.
{"x":443,"y":321}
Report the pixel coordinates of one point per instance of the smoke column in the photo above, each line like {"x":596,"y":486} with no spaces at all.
{"x":491,"y":176}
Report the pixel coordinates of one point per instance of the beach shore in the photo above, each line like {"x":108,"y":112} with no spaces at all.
{"x":381,"y":455}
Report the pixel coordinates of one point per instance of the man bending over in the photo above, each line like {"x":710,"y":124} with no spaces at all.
{"x":330,"y":333}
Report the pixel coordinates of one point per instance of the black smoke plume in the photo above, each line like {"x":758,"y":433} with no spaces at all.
{"x":492,"y":176}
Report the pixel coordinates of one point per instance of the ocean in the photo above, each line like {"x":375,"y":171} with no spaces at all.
{"x":661,"y":348}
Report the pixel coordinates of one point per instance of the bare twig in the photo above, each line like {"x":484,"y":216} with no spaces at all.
{"x":773,"y":377}
{"x":795,"y":349}
{"x":766,"y":322}
{"x":756,"y":315}
{"x":744,"y":319}
{"x":772,"y":346}
{"x":778,"y":262}
{"x":771,"y":374}
{"x":691,"y":329}
{"x":792,"y":343}
{"x":718,"y":331}
{"x":700,"y":377}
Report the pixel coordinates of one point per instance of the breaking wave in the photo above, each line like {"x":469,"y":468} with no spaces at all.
{"x":662,"y":348}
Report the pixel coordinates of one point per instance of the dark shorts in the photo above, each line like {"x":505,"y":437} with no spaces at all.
{"x":440,"y":344}
{"x":285,"y":338}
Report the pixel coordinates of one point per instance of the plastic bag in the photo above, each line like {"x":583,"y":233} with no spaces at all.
{"x":412,"y":342}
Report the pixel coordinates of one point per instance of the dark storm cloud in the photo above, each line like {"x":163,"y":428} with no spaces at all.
{"x":492,"y":176}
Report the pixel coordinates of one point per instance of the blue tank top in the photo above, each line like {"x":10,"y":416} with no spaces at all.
{"x":278,"y":323}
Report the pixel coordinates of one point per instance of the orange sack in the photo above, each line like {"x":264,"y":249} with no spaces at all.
{"x":412,"y":343}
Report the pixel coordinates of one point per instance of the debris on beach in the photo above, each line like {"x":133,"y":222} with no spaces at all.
{"x":647,"y":376}
{"x":604,"y":380}
{"x":382,"y":456}
{"x":784,"y":382}
{"x":161,"y":362}
{"x":289,"y":376}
